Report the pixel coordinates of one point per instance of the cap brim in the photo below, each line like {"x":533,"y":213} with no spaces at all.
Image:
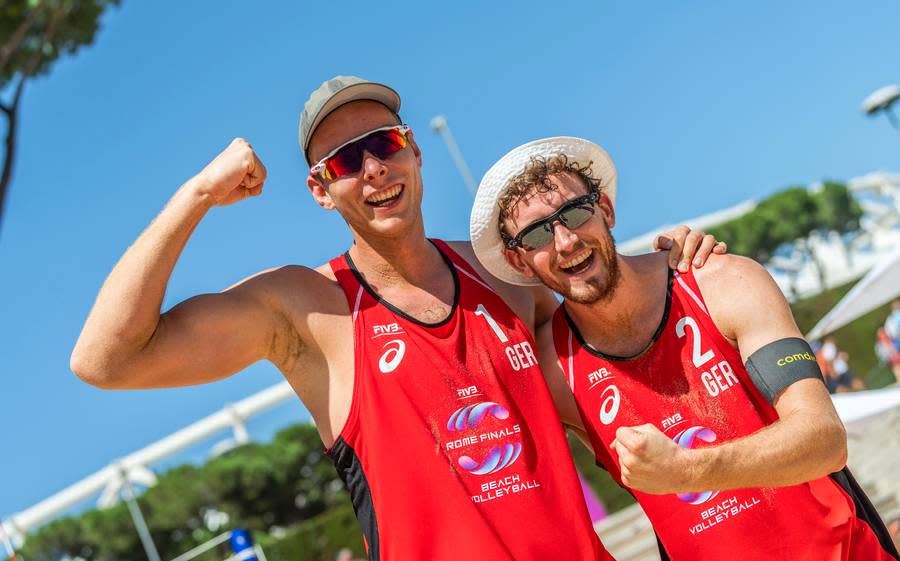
{"x":483,"y":223}
{"x":369,"y":90}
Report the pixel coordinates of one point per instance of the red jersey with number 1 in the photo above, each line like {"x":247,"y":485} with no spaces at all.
{"x":453,"y":449}
{"x":691,"y":384}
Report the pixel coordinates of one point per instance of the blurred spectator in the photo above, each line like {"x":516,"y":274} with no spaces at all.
{"x":829,"y":349}
{"x":825,"y":353}
{"x":889,"y":340}
{"x":887,"y":351}
{"x":345,"y":554}
{"x":842,"y":379}
{"x":892,"y":324}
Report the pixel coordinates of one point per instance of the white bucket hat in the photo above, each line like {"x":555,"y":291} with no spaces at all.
{"x":484,"y":222}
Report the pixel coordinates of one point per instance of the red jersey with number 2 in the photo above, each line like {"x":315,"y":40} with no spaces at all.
{"x":691,"y":384}
{"x":453,"y":449}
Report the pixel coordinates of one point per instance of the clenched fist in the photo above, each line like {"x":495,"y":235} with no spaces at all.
{"x":234,"y":175}
{"x":651,"y":462}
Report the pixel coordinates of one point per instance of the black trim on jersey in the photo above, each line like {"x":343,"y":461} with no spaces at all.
{"x":350,"y":470}
{"x":865,"y":511}
{"x":397,"y":310}
{"x":653,"y":340}
{"x":663,"y":554}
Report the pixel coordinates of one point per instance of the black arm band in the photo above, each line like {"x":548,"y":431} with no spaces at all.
{"x":779,"y":364}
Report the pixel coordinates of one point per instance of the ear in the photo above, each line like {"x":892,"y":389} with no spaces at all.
{"x":412,"y":143}
{"x":609,"y":212}
{"x":319,"y":192}
{"x":514,"y":258}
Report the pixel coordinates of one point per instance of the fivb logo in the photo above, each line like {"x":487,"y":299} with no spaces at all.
{"x":389,"y":329}
{"x":598,"y":376}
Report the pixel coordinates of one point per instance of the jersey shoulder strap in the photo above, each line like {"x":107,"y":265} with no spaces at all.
{"x":563,"y":342}
{"x":461,"y":264}
{"x":686,"y":284}
{"x":353,"y":289}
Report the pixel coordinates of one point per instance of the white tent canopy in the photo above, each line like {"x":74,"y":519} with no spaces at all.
{"x":879,"y":286}
{"x":854,"y":408}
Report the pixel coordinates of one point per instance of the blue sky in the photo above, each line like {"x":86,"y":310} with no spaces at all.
{"x":700,"y":105}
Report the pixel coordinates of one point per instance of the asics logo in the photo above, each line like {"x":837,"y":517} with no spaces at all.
{"x":391,"y":358}
{"x":609,"y":406}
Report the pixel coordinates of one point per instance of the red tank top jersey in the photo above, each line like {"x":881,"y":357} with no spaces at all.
{"x":453,"y":448}
{"x":691,"y":384}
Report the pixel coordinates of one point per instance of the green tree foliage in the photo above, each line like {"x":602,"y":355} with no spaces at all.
{"x":287,"y":482}
{"x":33,"y":34}
{"x":789,"y":216}
{"x":317,"y":539}
{"x":836,"y":209}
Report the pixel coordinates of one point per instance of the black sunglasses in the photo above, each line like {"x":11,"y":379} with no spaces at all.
{"x":571,"y":215}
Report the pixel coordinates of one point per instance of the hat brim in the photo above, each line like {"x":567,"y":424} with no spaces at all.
{"x":483,"y":223}
{"x":372,"y":91}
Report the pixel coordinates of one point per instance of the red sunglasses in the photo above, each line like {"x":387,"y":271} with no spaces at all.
{"x":347,"y":158}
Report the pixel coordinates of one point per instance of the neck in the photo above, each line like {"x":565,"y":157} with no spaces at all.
{"x":393,"y":260}
{"x":624,"y":324}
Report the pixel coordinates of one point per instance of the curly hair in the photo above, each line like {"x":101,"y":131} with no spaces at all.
{"x":536,"y":179}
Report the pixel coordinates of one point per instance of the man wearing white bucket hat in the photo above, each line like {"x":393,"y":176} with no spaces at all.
{"x":418,"y":369}
{"x":694,"y":389}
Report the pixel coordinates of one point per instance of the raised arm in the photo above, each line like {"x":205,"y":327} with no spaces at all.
{"x":127,"y":343}
{"x":806,"y":442}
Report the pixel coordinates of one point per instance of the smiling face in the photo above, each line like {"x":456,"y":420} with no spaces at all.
{"x":384,"y":197}
{"x":580,"y":263}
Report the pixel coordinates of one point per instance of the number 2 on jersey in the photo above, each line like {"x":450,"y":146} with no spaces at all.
{"x":699,"y":358}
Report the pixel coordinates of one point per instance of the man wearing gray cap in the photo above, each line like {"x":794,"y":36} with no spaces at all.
{"x":417,"y":367}
{"x":695,"y":389}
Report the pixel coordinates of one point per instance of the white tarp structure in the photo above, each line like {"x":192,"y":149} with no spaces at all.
{"x":111,"y":480}
{"x":879,"y":286}
{"x":854,"y":408}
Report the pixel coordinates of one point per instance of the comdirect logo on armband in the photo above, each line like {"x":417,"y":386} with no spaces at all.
{"x":795,"y":357}
{"x":793,"y":360}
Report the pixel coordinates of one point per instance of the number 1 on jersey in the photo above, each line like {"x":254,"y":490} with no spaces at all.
{"x":482,"y":311}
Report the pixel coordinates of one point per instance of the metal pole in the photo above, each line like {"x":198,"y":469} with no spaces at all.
{"x":440,"y":126}
{"x":892,"y":118}
{"x":137,"y":517}
{"x":204,"y":547}
{"x":10,"y":552}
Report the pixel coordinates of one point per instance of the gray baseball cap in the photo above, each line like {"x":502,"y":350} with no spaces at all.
{"x":336,"y":92}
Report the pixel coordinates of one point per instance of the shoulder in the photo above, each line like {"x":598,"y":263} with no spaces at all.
{"x":515,"y":296}
{"x":724,"y":269}
{"x":533,"y":304}
{"x":744,"y":302}
{"x":734,"y":280}
{"x":294,"y":289}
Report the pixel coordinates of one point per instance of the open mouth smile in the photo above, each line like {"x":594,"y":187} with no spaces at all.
{"x":578,"y":263}
{"x":386,"y":197}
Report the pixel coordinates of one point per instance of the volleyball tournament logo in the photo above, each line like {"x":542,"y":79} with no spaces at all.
{"x":686,"y":439}
{"x":488,"y":451}
{"x":498,"y":457}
